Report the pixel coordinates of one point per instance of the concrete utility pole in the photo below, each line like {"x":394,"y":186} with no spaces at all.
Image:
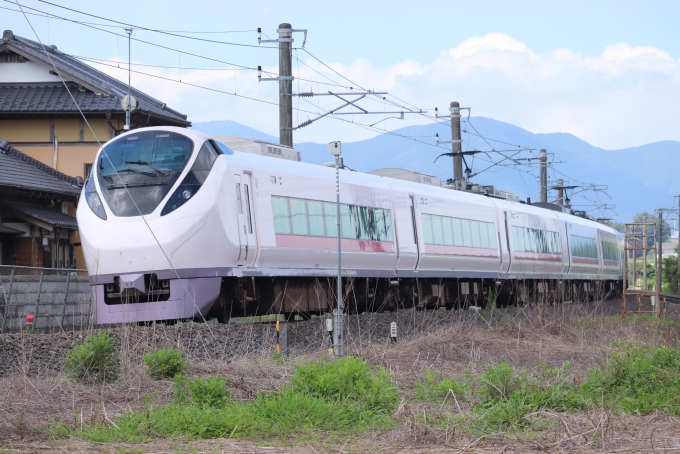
{"x":659,"y":246}
{"x":560,"y":192}
{"x":285,"y":84}
{"x":456,"y":142}
{"x":544,"y":176}
{"x":679,"y":244}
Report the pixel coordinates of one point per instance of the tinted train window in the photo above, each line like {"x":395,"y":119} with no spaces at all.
{"x":583,"y":247}
{"x":536,"y":240}
{"x":449,"y":231}
{"x":137,"y":171}
{"x":314,"y":218}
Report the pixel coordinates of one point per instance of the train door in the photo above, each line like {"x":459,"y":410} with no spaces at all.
{"x":246,"y":220}
{"x":242,"y":236}
{"x":414,"y":222}
{"x":506,"y":237}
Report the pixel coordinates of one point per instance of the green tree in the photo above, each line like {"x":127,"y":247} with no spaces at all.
{"x":669,"y":274}
{"x":648,"y":217}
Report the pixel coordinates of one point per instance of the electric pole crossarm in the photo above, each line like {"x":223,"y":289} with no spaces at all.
{"x":260,"y":78}
{"x":309,"y":94}
{"x":282,"y":39}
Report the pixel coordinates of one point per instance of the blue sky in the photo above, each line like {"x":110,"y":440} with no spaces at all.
{"x":608,"y":72}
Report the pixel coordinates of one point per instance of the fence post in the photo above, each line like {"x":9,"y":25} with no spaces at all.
{"x":63,"y":309}
{"x":37,"y":301}
{"x":7,"y":299}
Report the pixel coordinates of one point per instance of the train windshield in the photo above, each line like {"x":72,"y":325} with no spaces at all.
{"x":137,"y":171}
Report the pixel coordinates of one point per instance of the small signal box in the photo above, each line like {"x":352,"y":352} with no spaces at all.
{"x":393,"y":331}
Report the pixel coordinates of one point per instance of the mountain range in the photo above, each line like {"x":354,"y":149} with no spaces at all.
{"x":632,"y":179}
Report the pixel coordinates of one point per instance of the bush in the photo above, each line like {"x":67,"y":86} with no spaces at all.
{"x":637,"y":380}
{"x":95,"y":360}
{"x":347,"y":379}
{"x":164,"y":363}
{"x":200,"y":392}
{"x":433,"y":389}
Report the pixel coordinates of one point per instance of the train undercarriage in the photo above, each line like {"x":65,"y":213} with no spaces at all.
{"x":307,"y":296}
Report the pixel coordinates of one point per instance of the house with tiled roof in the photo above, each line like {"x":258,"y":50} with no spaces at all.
{"x":38,"y":114}
{"x":48,"y":144}
{"x":36,"y":228}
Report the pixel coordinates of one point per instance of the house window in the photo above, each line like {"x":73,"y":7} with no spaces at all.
{"x":88,"y":169}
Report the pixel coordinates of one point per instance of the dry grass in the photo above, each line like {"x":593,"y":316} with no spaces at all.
{"x":523,"y":337}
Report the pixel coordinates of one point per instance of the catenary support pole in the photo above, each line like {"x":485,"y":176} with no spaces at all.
{"x":659,"y":252}
{"x":678,"y":244}
{"x":560,"y":192}
{"x":339,"y":342}
{"x":456,"y":142}
{"x":544,"y":176}
{"x":285,"y":85}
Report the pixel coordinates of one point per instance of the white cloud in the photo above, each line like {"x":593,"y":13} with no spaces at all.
{"x":626,"y":96}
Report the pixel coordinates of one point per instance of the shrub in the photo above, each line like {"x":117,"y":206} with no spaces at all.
{"x":345,"y":379}
{"x":637,"y":380}
{"x":200,"y":392}
{"x":95,"y":360}
{"x":164,"y":363}
{"x":433,"y":389}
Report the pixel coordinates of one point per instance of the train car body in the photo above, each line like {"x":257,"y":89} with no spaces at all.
{"x":176,"y":225}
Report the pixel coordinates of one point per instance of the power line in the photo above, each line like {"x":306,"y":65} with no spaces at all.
{"x":138,"y":27}
{"x":140,"y":40}
{"x":123,"y":27}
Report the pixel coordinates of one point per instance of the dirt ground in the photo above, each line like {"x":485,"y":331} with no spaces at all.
{"x":523,"y":337}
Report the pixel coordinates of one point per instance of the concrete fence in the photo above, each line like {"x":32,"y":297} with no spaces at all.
{"x":58,"y":299}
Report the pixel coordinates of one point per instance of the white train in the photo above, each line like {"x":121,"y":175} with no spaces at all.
{"x":226,"y":233}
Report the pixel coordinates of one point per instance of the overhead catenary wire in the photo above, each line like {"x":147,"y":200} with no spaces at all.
{"x":169,"y":33}
{"x":118,"y":175}
{"x":216,"y":32}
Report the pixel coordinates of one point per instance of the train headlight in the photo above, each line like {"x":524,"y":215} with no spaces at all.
{"x":93,"y":199}
{"x":186,"y":194}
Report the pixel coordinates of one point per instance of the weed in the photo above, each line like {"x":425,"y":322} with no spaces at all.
{"x":636,"y":380}
{"x":95,"y":360}
{"x":340,"y":396}
{"x":165,"y":363}
{"x":432,"y":389}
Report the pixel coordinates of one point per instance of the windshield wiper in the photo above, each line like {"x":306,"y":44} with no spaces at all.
{"x":133,"y":170}
{"x":144,"y":163}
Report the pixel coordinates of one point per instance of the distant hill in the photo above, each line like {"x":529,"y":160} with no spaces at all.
{"x":639,"y":179}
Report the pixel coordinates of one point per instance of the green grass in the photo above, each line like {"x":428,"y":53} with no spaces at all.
{"x":338,"y":396}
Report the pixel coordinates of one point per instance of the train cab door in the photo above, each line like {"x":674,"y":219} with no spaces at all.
{"x":414,"y":222}
{"x":246,"y":220}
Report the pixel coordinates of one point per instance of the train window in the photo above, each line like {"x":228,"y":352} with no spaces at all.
{"x":248,"y":217}
{"x":281,"y":215}
{"x":239,"y":203}
{"x":206,"y":157}
{"x":474,"y":230}
{"x":437,"y":231}
{"x":457,"y":232}
{"x":331,"y":216}
{"x":483,"y":234}
{"x":448,"y":231}
{"x":610,"y":251}
{"x":467,"y":233}
{"x":583,"y":247}
{"x":348,"y":222}
{"x":316,"y":218}
{"x":535,"y":240}
{"x":298,"y":216}
{"x":426,"y":222}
